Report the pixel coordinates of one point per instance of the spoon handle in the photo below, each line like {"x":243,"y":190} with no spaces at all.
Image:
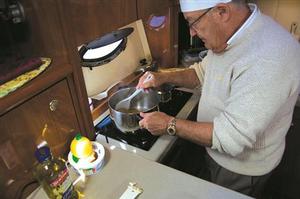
{"x":148,"y":78}
{"x":137,"y":91}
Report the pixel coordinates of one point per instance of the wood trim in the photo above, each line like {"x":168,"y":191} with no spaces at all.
{"x":81,"y":106}
{"x":76,"y":105}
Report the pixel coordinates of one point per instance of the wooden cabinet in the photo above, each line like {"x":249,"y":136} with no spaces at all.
{"x":50,"y":113}
{"x":87,"y":21}
{"x":48,"y":116}
{"x":163,"y":42}
{"x":25,"y":112}
{"x":47,"y":108}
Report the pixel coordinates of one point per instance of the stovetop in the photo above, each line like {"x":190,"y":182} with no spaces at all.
{"x":142,"y":138}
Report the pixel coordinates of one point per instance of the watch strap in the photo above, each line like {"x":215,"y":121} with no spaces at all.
{"x":171,"y":129}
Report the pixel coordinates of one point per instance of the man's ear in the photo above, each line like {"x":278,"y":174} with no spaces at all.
{"x":223,"y":12}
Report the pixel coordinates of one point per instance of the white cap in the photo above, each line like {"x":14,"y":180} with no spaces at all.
{"x":193,"y":5}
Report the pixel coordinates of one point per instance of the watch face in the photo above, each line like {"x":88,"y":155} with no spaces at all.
{"x":171,"y":130}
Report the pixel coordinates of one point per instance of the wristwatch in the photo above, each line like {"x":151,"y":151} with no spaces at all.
{"x":171,"y":129}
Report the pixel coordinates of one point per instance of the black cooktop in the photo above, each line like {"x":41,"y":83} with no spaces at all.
{"x":142,"y":138}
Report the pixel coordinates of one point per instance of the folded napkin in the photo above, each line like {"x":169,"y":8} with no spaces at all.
{"x":12,"y":70}
{"x":20,"y":80}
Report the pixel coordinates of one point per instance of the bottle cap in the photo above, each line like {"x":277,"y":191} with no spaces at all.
{"x":42,"y":153}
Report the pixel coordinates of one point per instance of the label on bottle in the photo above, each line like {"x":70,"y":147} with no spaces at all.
{"x":62,"y":185}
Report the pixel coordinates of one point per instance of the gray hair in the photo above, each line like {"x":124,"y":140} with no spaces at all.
{"x":241,"y":3}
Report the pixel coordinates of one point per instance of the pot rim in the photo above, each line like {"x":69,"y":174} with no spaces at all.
{"x":128,"y":113}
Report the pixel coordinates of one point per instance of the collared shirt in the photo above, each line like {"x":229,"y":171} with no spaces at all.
{"x":246,"y":24}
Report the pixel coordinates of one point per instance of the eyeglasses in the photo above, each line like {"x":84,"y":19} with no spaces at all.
{"x":191,"y":25}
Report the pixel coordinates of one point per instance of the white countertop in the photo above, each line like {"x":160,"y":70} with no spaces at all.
{"x":156,"y":180}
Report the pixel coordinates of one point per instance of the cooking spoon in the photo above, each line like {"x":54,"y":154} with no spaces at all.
{"x":125,"y":103}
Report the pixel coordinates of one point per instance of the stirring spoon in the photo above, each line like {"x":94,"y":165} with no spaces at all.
{"x":125,"y":103}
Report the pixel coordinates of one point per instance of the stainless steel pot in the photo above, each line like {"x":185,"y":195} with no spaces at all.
{"x":128,"y":120}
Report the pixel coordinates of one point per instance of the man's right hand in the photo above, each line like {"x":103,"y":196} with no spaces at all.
{"x":155,"y":80}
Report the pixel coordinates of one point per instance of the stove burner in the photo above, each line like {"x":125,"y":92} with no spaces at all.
{"x":178,"y":100}
{"x":142,"y":138}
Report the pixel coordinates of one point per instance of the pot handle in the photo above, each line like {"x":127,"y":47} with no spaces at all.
{"x":104,"y":94}
{"x":139,"y":117}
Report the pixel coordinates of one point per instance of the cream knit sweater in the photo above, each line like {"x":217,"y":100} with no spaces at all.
{"x":249,"y":93}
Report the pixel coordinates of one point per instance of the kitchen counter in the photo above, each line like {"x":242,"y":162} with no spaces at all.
{"x":156,"y":180}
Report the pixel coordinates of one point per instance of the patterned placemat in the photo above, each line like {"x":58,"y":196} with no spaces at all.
{"x":19,"y":81}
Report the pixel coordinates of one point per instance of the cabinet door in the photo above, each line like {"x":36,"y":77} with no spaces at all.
{"x":163,"y":41}
{"x":49,"y":116}
{"x":88,"y":20}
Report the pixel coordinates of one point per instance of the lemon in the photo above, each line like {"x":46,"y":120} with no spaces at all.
{"x":81,"y":147}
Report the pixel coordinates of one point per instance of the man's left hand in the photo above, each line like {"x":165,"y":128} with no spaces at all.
{"x":155,"y":122}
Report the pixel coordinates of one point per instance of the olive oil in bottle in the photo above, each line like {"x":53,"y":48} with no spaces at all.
{"x":53,"y":175}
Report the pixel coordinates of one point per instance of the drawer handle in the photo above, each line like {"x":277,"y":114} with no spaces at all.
{"x":53,"y":105}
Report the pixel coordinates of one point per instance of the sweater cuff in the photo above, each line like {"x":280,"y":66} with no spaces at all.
{"x":199,"y":71}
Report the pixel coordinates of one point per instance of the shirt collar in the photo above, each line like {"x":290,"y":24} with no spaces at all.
{"x":247,"y":23}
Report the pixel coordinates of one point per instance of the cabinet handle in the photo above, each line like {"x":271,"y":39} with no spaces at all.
{"x":53,"y":105}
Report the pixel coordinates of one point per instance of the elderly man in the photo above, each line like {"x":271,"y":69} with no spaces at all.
{"x":249,"y":82}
